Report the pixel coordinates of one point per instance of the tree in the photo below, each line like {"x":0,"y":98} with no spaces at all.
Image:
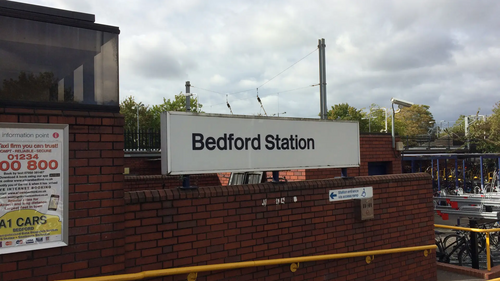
{"x":177,"y":104}
{"x":414,"y":120}
{"x":344,"y":111}
{"x":150,"y":116}
{"x":485,"y":133}
{"x":130,"y":109}
{"x":457,"y":131}
{"x":377,"y":118}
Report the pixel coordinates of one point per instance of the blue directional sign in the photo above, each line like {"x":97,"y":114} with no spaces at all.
{"x":333,"y":195}
{"x":350,"y":193}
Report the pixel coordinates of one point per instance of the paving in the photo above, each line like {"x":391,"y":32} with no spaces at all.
{"x":443,"y":275}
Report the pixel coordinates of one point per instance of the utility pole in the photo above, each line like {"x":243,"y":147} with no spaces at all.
{"x":188,"y":96}
{"x":185,"y":179}
{"x":322,"y":78}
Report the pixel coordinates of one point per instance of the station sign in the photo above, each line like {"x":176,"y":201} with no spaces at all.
{"x":350,"y":193}
{"x":33,"y":186}
{"x":194,"y":143}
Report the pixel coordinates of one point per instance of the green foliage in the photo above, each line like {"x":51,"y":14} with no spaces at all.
{"x":485,"y":133}
{"x":377,"y":119}
{"x":150,"y":116}
{"x":457,"y":131}
{"x":414,"y":120}
{"x":177,"y":104}
{"x":344,"y":111}
{"x":130,"y":110}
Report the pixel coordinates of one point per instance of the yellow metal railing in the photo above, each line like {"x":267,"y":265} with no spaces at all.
{"x":478,"y":230}
{"x":192,"y":271}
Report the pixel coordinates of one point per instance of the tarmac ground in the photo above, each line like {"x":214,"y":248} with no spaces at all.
{"x":443,"y":275}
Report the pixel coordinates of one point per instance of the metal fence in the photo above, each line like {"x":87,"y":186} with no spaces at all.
{"x":150,"y":140}
{"x":428,"y":142}
{"x":142,"y":140}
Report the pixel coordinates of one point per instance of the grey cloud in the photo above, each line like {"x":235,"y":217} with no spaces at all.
{"x":415,"y":51}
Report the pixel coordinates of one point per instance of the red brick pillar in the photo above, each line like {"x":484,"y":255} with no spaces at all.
{"x":96,"y":204}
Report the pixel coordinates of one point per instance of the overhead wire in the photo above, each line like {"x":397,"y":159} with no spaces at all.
{"x":248,"y":98}
{"x":257,"y":89}
{"x":243,"y":91}
{"x":288,"y":68}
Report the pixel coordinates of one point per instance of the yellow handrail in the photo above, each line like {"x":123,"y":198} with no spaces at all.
{"x":193,"y":270}
{"x":479,"y":230}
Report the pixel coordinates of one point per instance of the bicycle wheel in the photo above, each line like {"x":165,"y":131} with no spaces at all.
{"x":441,"y":253}
{"x":452,"y":244}
{"x":465,"y":257}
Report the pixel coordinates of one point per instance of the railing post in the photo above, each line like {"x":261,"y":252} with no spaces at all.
{"x":488,"y":253}
{"x":473,"y":245}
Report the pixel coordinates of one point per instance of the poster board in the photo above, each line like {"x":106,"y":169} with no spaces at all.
{"x":33,"y":186}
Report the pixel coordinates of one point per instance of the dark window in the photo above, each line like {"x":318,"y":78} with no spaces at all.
{"x":378,"y":168}
{"x":50,"y":63}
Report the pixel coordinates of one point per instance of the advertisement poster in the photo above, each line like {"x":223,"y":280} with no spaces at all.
{"x":33,"y":180}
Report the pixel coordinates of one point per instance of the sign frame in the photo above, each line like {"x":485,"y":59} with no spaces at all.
{"x":335,"y":195}
{"x":342,"y":138}
{"x":64,"y":185}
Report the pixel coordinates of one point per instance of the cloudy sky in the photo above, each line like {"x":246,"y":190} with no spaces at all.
{"x":445,"y":54}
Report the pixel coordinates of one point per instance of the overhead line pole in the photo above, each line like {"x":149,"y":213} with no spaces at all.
{"x":185,"y":179}
{"x":322,"y":87}
{"x":322,"y":78}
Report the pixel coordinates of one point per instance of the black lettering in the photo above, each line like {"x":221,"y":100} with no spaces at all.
{"x":36,"y":220}
{"x":43,"y":220}
{"x":239,"y":146}
{"x":277,"y":139}
{"x":210,"y":143}
{"x":20,"y":223}
{"x":230,"y":141}
{"x":293,"y":142}
{"x":270,"y":142}
{"x":247,"y":141}
{"x":197,"y":139}
{"x":302,"y":144}
{"x":256,"y":142}
{"x":27,"y":221}
{"x":284,"y":144}
{"x":2,"y":224}
{"x":222,"y":146}
{"x":310,"y":143}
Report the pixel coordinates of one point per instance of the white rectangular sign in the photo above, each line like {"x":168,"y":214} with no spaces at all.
{"x":350,"y":193}
{"x":33,"y":186}
{"x":205,"y":143}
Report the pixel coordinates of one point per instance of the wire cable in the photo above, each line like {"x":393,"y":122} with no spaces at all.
{"x":248,"y":98}
{"x":243,"y":91}
{"x":287,"y":68}
{"x":291,"y":90}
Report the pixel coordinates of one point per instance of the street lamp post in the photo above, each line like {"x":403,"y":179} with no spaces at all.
{"x":138,"y":126}
{"x":400,"y":103}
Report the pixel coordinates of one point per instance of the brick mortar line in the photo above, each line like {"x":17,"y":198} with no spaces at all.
{"x":142,"y":196}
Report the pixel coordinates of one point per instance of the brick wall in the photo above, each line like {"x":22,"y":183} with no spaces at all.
{"x":96,"y":204}
{"x":150,"y":165}
{"x":112,"y":231}
{"x":373,"y":148}
{"x":161,"y":181}
{"x":175,"y":228}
